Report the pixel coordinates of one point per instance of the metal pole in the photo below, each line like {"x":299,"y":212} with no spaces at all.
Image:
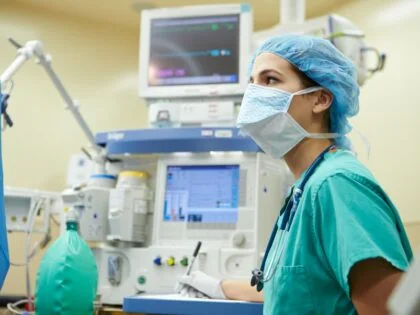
{"x":292,"y":11}
{"x":13,"y":68}
{"x":70,"y":103}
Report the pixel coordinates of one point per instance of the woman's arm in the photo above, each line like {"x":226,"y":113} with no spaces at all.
{"x":241,"y":290}
{"x":371,"y":284}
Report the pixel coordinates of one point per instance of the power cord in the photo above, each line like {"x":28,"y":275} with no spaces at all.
{"x":29,"y":253}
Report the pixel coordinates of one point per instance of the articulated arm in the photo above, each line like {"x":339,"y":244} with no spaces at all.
{"x":34,"y":48}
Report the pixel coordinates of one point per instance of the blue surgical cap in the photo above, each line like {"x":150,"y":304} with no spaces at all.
{"x":328,"y":67}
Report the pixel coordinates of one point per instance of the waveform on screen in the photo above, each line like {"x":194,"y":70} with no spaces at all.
{"x":191,"y":54}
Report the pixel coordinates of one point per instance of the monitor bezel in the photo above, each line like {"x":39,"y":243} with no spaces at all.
{"x":205,"y":90}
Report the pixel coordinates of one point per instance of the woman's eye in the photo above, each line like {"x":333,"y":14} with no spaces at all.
{"x":271,"y":80}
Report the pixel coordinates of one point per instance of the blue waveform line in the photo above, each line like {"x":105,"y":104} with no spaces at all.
{"x":205,"y":53}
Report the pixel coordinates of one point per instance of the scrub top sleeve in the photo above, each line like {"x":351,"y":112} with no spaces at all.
{"x":352,"y":222}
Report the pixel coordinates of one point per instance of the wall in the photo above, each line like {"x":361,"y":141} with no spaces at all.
{"x":389,"y":103}
{"x":36,"y":150}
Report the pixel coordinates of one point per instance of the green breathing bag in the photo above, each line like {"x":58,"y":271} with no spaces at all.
{"x":67,"y":278}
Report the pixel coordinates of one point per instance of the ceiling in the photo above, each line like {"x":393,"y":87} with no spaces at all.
{"x":125,"y":13}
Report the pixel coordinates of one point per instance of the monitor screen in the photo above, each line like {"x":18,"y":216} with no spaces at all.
{"x":203,"y":196}
{"x":194,"y":50}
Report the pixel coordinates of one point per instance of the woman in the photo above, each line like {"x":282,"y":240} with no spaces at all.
{"x":344,"y":248}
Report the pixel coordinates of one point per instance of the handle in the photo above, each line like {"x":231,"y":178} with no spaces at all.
{"x":197,"y":249}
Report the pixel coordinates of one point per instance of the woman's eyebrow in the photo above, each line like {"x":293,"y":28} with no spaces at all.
{"x":267,"y":71}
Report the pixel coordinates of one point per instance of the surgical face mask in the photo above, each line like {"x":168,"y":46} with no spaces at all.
{"x":264,"y":117}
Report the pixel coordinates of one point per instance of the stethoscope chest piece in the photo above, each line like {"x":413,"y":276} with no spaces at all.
{"x":257,"y":279}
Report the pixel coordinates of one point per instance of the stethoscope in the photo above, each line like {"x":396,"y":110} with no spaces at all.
{"x":259,"y":276}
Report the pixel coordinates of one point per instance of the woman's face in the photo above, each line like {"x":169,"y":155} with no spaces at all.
{"x":272,"y":71}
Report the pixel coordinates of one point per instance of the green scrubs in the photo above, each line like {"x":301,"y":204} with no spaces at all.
{"x":343,"y":217}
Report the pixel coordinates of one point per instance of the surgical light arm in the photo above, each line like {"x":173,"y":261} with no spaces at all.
{"x":35,"y":48}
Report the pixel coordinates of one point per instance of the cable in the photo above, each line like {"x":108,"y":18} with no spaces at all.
{"x":12,"y":307}
{"x":29,"y":253}
{"x":17,"y":264}
{"x":38,"y":245}
{"x":31,"y":210}
{"x":54,"y":220}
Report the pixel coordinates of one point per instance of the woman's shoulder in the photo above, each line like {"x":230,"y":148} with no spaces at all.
{"x":339,"y":164}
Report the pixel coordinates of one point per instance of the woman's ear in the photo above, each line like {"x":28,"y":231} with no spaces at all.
{"x":323,"y":101}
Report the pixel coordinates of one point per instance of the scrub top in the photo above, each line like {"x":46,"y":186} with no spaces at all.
{"x":4,"y":249}
{"x":342,"y":218}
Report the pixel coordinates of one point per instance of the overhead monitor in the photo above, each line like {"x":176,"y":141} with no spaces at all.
{"x":203,"y":196}
{"x":195,"y":51}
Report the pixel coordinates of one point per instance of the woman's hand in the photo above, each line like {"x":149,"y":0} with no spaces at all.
{"x":199,"y":284}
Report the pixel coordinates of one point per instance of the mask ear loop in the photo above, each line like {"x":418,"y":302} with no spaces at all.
{"x":365,"y":141}
{"x":308,"y":90}
{"x":327,"y":135}
{"x":334,"y":135}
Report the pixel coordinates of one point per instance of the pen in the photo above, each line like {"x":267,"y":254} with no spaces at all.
{"x":179,"y":288}
{"x":197,"y":249}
